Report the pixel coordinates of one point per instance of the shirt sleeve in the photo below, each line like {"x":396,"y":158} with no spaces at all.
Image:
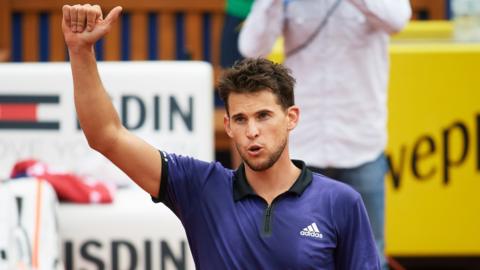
{"x":182,"y":182}
{"x":262,"y":27}
{"x":388,"y":15}
{"x":356,"y":246}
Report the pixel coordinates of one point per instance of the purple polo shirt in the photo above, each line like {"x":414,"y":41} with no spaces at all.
{"x":318,"y":223}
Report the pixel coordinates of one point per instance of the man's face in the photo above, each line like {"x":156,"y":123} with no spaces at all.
{"x":259,"y":127}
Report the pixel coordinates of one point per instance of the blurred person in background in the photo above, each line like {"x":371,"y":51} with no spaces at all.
{"x":270,"y":213}
{"x":338,"y":52}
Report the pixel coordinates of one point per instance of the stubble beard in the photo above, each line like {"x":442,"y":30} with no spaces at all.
{"x":262,"y":166}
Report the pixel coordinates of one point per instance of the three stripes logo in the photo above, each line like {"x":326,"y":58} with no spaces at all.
{"x":311,"y":231}
{"x":21,"y":112}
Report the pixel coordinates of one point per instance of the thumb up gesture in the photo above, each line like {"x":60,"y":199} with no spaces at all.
{"x":83,"y":25}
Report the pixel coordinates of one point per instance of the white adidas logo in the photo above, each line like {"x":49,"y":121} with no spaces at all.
{"x":312,"y":231}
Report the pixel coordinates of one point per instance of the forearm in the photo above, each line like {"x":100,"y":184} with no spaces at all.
{"x":96,"y":114}
{"x":388,"y":15}
{"x":261,"y":28}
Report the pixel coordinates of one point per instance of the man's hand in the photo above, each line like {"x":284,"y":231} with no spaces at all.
{"x":83,"y":25}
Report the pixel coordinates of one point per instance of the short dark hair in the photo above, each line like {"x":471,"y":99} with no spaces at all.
{"x":253,"y":75}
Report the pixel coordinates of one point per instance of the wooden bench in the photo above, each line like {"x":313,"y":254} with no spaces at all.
{"x":429,"y":9}
{"x":141,"y":17}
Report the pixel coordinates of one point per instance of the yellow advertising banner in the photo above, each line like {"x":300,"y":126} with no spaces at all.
{"x":433,"y":185}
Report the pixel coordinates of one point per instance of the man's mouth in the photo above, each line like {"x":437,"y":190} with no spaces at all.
{"x":254,"y":149}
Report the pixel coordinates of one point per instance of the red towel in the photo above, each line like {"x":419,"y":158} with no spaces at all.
{"x":68,"y":186}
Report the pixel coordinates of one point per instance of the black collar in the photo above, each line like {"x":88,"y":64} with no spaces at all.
{"x":242,"y":189}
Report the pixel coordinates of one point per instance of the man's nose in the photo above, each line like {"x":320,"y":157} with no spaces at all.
{"x":252,"y":130}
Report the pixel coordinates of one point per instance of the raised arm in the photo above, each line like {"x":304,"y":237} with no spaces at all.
{"x":388,"y":15}
{"x":82,"y":26}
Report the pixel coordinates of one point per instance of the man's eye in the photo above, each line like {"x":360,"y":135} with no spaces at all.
{"x":239,"y":120}
{"x":263,"y":116}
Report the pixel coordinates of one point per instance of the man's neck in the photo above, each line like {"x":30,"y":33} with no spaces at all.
{"x":275,"y":180}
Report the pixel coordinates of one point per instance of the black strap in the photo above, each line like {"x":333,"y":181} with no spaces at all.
{"x":162,"y":193}
{"x":319,"y":28}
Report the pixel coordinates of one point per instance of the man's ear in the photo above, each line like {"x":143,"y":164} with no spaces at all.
{"x":293,"y":116}
{"x":226,"y":124}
